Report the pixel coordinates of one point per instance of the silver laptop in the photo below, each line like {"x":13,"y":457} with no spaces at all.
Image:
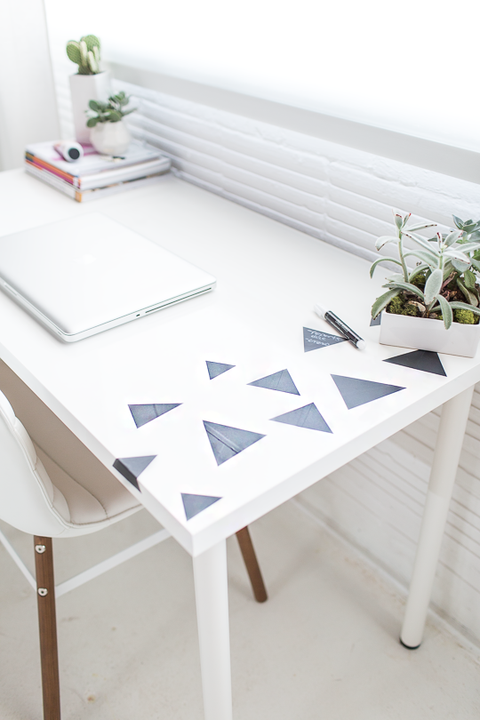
{"x":87,"y":274}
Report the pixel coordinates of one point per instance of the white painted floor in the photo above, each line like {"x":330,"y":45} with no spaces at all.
{"x":324,"y":647}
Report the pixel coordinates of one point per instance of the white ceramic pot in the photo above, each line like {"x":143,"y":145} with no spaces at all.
{"x":427,"y":334}
{"x":84,"y":88}
{"x":110,"y":138}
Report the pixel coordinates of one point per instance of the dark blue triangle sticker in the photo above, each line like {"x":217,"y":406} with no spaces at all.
{"x":424,"y":360}
{"x":376,"y":321}
{"x":228,"y":441}
{"x":358,"y":392}
{"x":132,"y":467}
{"x":215,"y":368}
{"x":305,"y":417}
{"x":143,"y":414}
{"x":194,"y":504}
{"x":281,"y":381}
{"x":315,"y":339}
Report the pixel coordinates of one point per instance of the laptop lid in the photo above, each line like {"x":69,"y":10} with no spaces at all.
{"x":90,"y":273}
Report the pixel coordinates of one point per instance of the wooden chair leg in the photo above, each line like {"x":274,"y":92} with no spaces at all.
{"x":48,"y":627}
{"x":251,"y":562}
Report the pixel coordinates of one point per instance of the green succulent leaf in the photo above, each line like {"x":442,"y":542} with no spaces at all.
{"x":470,"y":280}
{"x":399,"y":221}
{"x":428,"y":257}
{"x":421,"y":226}
{"x":397,"y":285}
{"x":460,"y":266}
{"x":447,"y":312}
{"x":458,"y":222}
{"x":453,"y":237}
{"x":433,"y":286}
{"x":422,"y":241}
{"x":73,"y":51}
{"x":384,"y":240}
{"x":91,"y":122}
{"x":470,"y":297}
{"x":456,"y":305}
{"x":382,"y":302}
{"x":91,"y":41}
{"x":419,"y":270}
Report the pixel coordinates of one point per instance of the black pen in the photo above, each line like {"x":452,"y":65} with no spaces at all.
{"x":339,"y":325}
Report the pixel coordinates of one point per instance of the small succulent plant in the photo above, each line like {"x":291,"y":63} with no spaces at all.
{"x":111,"y":111}
{"x":86,"y":54}
{"x":443,"y":284}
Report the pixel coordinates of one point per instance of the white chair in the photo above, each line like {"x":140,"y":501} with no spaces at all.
{"x":51,"y":486}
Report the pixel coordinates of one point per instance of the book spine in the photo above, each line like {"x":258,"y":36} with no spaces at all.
{"x":52,"y":180}
{"x":50,"y":168}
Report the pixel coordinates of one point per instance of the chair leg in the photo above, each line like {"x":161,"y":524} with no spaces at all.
{"x":48,"y":627}
{"x":251,"y":563}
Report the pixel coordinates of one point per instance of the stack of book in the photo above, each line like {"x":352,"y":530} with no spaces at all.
{"x":95,"y":175}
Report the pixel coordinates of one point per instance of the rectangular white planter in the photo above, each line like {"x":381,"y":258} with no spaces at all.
{"x":427,"y":334}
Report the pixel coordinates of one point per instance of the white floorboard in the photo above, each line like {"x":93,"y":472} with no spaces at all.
{"x":324,"y":647}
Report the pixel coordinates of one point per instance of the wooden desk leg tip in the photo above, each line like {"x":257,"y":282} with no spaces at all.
{"x":251,"y":563}
{"x":47,"y":627}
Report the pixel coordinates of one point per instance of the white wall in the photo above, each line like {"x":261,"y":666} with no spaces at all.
{"x":28,"y":108}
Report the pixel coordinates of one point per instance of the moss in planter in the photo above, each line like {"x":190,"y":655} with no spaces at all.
{"x":398,"y":306}
{"x":466,"y":317}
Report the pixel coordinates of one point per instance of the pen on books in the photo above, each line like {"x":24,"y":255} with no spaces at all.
{"x":342,"y":328}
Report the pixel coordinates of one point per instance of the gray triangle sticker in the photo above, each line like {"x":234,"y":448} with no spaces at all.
{"x":281,"y":381}
{"x":357,"y":392}
{"x":227,"y":441}
{"x":215,"y":368}
{"x":376,"y":321}
{"x":304,"y":417}
{"x":315,"y":339}
{"x":424,"y":360}
{"x":194,"y":504}
{"x":132,"y":467}
{"x":143,"y":414}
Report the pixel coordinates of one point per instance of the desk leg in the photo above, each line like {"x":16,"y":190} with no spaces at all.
{"x":211,"y":594}
{"x":442,"y":478}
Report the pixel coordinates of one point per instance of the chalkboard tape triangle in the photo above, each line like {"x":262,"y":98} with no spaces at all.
{"x":194,"y":504}
{"x":227,"y":441}
{"x":358,"y":392}
{"x":143,"y":414}
{"x":304,"y":417}
{"x":316,"y":339}
{"x":132,"y":467}
{"x":215,"y":368}
{"x":424,"y":360}
{"x":281,"y":381}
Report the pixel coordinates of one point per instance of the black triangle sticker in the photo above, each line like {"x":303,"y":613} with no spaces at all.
{"x":305,"y":417}
{"x":132,"y":467}
{"x":424,"y":360}
{"x":358,"y":392}
{"x":143,"y":414}
{"x":281,"y":381}
{"x":228,"y":441}
{"x":194,"y":504}
{"x":215,"y":368}
{"x":315,"y":339}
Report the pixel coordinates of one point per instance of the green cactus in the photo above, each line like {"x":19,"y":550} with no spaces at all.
{"x":86,"y":54}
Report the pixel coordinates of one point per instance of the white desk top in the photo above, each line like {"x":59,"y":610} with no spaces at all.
{"x":269,"y":277}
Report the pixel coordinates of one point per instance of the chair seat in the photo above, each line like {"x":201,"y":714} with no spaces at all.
{"x":83,"y":492}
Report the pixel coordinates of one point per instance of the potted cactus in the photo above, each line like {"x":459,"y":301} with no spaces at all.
{"x":108,"y":133}
{"x":434,"y":305}
{"x":89,"y":82}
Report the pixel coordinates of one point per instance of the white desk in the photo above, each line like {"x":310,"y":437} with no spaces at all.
{"x":268,"y":279}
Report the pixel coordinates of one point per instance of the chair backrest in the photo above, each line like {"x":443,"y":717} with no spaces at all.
{"x":28,"y":499}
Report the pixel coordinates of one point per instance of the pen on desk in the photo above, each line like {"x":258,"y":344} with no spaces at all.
{"x":339,"y":325}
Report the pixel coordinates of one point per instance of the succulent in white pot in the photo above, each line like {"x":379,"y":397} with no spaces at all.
{"x":89,"y":82}
{"x":108,"y":133}
{"x":434,"y":305}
